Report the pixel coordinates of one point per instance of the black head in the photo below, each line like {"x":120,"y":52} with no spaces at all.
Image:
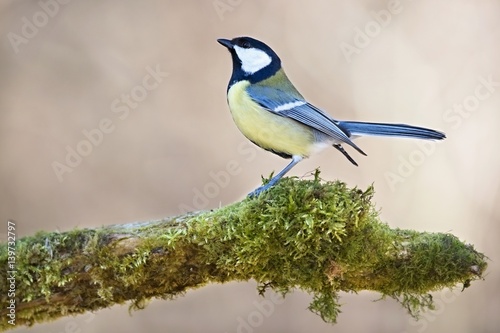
{"x":252,"y":59}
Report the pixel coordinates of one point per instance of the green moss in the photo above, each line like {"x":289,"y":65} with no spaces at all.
{"x":321,"y":237}
{"x":325,"y":238}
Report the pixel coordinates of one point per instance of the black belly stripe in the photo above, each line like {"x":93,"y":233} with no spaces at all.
{"x":281,"y":154}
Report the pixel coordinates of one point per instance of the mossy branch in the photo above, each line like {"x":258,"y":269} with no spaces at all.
{"x":319,"y":237}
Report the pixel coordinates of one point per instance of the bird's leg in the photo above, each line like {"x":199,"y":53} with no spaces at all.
{"x":295,"y":159}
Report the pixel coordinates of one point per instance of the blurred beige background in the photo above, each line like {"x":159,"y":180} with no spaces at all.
{"x":65,"y":68}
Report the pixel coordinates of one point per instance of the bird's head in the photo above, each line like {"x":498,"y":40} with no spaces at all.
{"x":253,"y":60}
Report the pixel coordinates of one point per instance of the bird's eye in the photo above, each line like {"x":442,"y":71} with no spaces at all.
{"x":245,"y":44}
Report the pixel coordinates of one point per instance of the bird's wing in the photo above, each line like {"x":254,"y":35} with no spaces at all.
{"x":295,"y":107}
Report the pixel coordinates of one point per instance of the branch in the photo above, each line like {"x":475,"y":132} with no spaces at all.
{"x":319,"y":237}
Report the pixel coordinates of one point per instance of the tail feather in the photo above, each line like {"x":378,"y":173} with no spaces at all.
{"x":355,"y":128}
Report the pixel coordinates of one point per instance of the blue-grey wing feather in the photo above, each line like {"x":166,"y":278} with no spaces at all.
{"x":272,"y":99}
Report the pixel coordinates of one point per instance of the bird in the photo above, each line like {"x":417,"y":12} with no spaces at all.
{"x":270,"y":112}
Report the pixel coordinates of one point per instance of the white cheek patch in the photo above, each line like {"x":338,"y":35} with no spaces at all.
{"x":252,"y":60}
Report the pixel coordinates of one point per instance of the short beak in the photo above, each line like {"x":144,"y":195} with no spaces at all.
{"x":226,"y":42}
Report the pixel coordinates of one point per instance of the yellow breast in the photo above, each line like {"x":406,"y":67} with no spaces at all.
{"x":266,"y":129}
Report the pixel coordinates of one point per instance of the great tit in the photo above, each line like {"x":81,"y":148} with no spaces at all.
{"x":271,"y":113}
